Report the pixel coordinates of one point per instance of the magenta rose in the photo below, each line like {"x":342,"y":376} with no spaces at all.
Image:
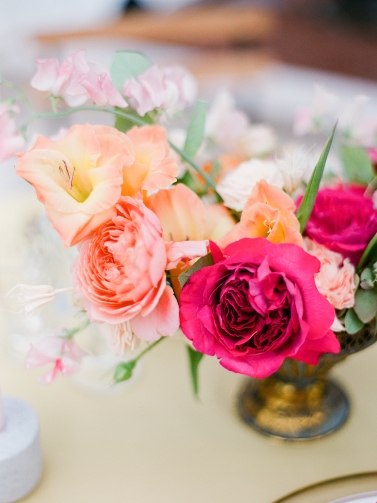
{"x":343,"y":220}
{"x":257,"y":305}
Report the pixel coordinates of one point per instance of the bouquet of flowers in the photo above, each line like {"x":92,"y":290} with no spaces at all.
{"x":210,"y":227}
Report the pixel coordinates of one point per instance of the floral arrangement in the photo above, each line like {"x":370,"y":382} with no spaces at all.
{"x":255,"y":252}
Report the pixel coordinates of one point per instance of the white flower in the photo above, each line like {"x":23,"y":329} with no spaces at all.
{"x":317,"y":116}
{"x":29,"y":297}
{"x":225,"y":124}
{"x":258,"y":141}
{"x":355,"y":126}
{"x":236,"y":187}
{"x":120,"y":338}
{"x":292,"y":167}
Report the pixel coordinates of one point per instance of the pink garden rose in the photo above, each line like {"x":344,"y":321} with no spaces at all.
{"x":78,"y":178}
{"x":76,"y":81}
{"x":343,"y":220}
{"x":65,"y":355}
{"x":257,"y":305}
{"x":120,"y":273}
{"x":336,"y":279}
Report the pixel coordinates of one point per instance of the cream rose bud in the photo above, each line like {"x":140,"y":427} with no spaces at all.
{"x":236,"y":187}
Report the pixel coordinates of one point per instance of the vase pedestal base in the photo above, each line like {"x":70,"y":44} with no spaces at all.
{"x":290,"y":410}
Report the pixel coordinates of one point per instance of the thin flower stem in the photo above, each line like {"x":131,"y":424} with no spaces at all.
{"x":367,"y":250}
{"x":151,"y":346}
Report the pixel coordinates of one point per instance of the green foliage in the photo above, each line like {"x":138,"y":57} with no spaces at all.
{"x":205,"y":261}
{"x":365,"y":305}
{"x":194,"y":359}
{"x":195,"y":131}
{"x":124,"y":124}
{"x":126,"y":65}
{"x":370,"y":253}
{"x":367,"y":279}
{"x":352,"y":322}
{"x":307,"y":203}
{"x":357,"y":165}
{"x":123,"y":371}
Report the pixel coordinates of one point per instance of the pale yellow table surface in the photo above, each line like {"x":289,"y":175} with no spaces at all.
{"x":153,"y":443}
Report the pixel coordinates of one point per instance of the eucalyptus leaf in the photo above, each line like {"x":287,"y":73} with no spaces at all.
{"x":205,"y":261}
{"x":352,"y":322}
{"x":195,"y":131}
{"x":126,"y":65}
{"x":195,"y":358}
{"x":367,"y":279}
{"x":307,"y":203}
{"x":123,"y":371}
{"x":357,"y":165}
{"x":365,"y":305}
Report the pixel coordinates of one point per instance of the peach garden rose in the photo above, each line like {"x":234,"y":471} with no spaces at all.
{"x":120,"y":273}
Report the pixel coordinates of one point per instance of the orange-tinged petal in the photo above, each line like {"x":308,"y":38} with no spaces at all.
{"x":219,"y":222}
{"x":181,"y":212}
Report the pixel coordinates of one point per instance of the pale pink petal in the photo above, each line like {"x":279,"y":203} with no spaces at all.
{"x":162,"y":321}
{"x":47,"y":73}
{"x":184,"y":251}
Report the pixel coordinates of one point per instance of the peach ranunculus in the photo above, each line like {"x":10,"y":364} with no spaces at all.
{"x":78,"y":178}
{"x":336,"y":279}
{"x":120,"y":273}
{"x":268,"y":213}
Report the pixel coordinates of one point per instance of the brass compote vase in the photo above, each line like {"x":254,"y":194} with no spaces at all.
{"x":299,"y":401}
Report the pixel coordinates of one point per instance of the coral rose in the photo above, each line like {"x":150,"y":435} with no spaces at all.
{"x":78,"y":178}
{"x":343,"y":220}
{"x":120,"y":273}
{"x":257,"y":305}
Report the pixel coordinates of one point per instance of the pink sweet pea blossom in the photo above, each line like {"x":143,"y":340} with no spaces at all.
{"x":64,"y":354}
{"x":170,"y":88}
{"x":11,"y":141}
{"x":76,"y":81}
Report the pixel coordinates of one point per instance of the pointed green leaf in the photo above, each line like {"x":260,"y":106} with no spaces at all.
{"x":365,"y":305}
{"x":367,"y":279}
{"x":123,"y":371}
{"x":195,"y":131}
{"x":357,"y":165}
{"x":352,"y":322}
{"x":307,"y":203}
{"x":126,"y":65}
{"x":370,"y":253}
{"x":205,"y":261}
{"x":194,"y":358}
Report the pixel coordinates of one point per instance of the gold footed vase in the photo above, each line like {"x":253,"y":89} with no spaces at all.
{"x":299,"y":401}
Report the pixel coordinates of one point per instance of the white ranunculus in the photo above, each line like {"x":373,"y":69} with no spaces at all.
{"x":236,"y":187}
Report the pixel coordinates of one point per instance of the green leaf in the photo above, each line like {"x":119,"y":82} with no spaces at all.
{"x":126,"y":65}
{"x":205,"y":261}
{"x":367,"y":279}
{"x":357,"y":165}
{"x":352,"y":322}
{"x":370,"y":253}
{"x":194,"y":358}
{"x":307,"y":203}
{"x":123,"y":124}
{"x":123,"y":371}
{"x":195,"y":131}
{"x":365,"y":305}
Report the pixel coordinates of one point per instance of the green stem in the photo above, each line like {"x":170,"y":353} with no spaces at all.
{"x":151,"y":346}
{"x":197,"y":168}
